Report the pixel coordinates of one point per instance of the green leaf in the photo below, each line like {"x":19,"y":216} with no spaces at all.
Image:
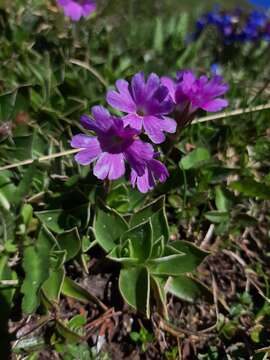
{"x":79,"y":216}
{"x":159,"y":294}
{"x":172,"y":265}
{"x":182,"y":26}
{"x":7,"y":103}
{"x":36,"y":272}
{"x":81,"y":351}
{"x":141,"y":241}
{"x":195,"y":158}
{"x":25,"y":184}
{"x":29,"y":344}
{"x":252,"y":188}
{"x":72,"y":289}
{"x":179,"y":257}
{"x":36,"y":268}
{"x":122,"y":254}
{"x":134,"y":285}
{"x":78,"y":321}
{"x":53,"y":219}
{"x":187,"y":289}
{"x":175,"y":201}
{"x":195,"y":254}
{"x":57,"y":259}
{"x":135,"y":336}
{"x":158,"y":248}
{"x":154,"y":211}
{"x":7,"y":190}
{"x":67,"y":333}
{"x":6,"y":294}
{"x":217,"y":216}
{"x":7,"y":226}
{"x":86,"y":243}
{"x":27,"y":214}
{"x":23,"y":147}
{"x":71,"y":242}
{"x":118,"y":198}
{"x":222,"y":202}
{"x":158,"y":36}
{"x":244,"y":220}
{"x":108,"y":227}
{"x":53,"y":285}
{"x":135,"y":199}
{"x":256,"y":333}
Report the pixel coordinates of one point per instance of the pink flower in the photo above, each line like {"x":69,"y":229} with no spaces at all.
{"x":111,"y":147}
{"x":154,"y":171}
{"x":75,"y":9}
{"x":190,"y":93}
{"x":146,"y":103}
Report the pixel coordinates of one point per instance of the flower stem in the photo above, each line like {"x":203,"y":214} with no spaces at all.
{"x":40,"y":159}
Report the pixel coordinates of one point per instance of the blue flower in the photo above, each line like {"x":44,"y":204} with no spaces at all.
{"x":236,"y":25}
{"x":264,"y":3}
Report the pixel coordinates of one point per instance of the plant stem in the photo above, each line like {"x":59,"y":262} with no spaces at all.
{"x":226,"y":114}
{"x":196,"y":121}
{"x":40,"y":159}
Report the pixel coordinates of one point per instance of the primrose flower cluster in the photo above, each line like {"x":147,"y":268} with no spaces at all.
{"x":148,"y":107}
{"x":237,"y":25}
{"x":76,"y":9}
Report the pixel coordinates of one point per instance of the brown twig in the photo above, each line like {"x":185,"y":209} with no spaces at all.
{"x":101,"y":320}
{"x":247,"y":272}
{"x":180,"y":332}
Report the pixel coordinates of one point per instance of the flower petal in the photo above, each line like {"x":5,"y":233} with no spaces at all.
{"x":169,"y":125}
{"x":159,"y":170}
{"x":159,"y":106}
{"x":215,"y":105}
{"x":144,"y":183}
{"x":102,"y":117}
{"x":110,"y":165}
{"x":88,"y":123}
{"x":90,"y":148}
{"x":123,"y":87}
{"x":188,"y":76}
{"x":63,"y":2}
{"x":84,"y":141}
{"x":154,"y":128}
{"x":215,"y":87}
{"x":134,"y":121}
{"x":122,"y":102}
{"x":152,"y":85}
{"x":73,"y":10}
{"x":85,"y":157}
{"x":138,"y":88}
{"x":137,"y":154}
{"x":88,"y":8}
{"x":170,"y":85}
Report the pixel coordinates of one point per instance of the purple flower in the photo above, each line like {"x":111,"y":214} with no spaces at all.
{"x":75,"y":9}
{"x":191,"y":94}
{"x":154,"y":171}
{"x":112,"y":146}
{"x":146,"y":103}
